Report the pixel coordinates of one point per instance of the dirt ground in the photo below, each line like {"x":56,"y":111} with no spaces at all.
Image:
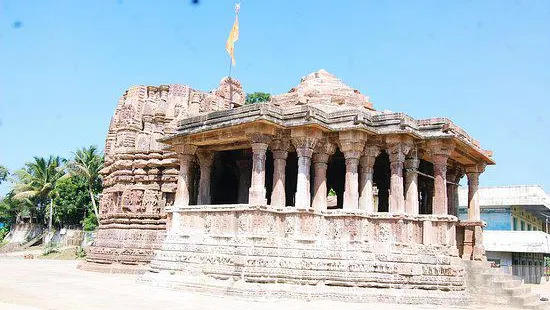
{"x":57,"y":284}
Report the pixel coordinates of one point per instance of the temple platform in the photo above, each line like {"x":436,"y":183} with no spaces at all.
{"x":288,"y":252}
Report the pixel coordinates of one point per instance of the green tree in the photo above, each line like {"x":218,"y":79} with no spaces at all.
{"x":37,"y":182}
{"x":86,"y":164}
{"x":11,"y":209}
{"x":3,"y":174}
{"x":70,"y":200}
{"x":257,"y":97}
{"x":72,"y":203}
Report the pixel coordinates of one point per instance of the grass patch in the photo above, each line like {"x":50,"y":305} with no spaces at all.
{"x":64,"y":254}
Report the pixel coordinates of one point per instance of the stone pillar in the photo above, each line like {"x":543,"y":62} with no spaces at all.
{"x":411,"y":186}
{"x":398,"y":147}
{"x":205,"y":164}
{"x":245,"y":169}
{"x":257,"y":192}
{"x":473,"y":173}
{"x":279,"y":147}
{"x":352,"y":144}
{"x":366,"y":162}
{"x":304,"y":150}
{"x":186,"y":154}
{"x":439,"y":205}
{"x":323,"y":151}
{"x":186,"y":158}
{"x":454,"y":175}
{"x":440,"y":151}
{"x":351,"y":192}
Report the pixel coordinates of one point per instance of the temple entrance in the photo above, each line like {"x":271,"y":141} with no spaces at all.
{"x":425,"y":187}
{"x":268,"y":173}
{"x":291,"y":171}
{"x":336,"y":178}
{"x":381,"y":179}
{"x":227,"y":169}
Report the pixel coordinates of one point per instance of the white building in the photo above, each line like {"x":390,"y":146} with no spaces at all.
{"x":516,"y":236}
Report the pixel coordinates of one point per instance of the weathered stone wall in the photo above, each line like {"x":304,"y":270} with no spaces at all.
{"x":215,"y":246}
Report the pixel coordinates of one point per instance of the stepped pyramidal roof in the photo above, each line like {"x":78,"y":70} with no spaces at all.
{"x":323,"y":88}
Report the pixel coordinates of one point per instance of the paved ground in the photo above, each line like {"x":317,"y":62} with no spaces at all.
{"x":52,"y":284}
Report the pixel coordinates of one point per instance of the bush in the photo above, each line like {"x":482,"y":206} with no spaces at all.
{"x":257,"y":97}
{"x":50,"y":248}
{"x":80,"y":252}
{"x":3,"y":232}
{"x":90,"y":222}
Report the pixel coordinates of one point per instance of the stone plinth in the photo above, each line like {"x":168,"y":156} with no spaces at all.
{"x":469,"y":237}
{"x":235,"y":247}
{"x":125,"y":243}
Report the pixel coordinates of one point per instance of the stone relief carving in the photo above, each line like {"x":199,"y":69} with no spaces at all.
{"x":143,"y":115}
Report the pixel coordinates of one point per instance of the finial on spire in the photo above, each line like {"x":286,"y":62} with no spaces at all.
{"x":237,"y":7}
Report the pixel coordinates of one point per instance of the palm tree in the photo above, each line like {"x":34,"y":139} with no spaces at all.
{"x":86,"y":164}
{"x":3,"y":174}
{"x":38,"y":180}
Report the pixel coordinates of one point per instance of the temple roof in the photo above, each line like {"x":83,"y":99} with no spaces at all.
{"x":322,"y":88}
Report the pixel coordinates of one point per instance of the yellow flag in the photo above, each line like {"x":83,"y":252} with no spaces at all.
{"x":233,"y":36}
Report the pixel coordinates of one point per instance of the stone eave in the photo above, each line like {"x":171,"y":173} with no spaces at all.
{"x":339,"y":120}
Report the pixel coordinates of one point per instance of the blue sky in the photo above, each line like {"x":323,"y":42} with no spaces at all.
{"x":484,"y":64}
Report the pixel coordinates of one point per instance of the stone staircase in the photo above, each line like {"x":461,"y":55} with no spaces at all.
{"x":492,"y":286}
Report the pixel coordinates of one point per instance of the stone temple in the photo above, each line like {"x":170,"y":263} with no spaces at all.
{"x":314,"y":193}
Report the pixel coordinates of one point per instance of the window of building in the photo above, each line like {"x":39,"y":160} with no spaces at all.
{"x":522,"y":225}
{"x":529,"y":227}
{"x":514,"y":223}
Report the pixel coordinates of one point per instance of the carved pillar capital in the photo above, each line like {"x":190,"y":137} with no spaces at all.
{"x":280,"y":144}
{"x":479,"y":168}
{"x":323,"y":150}
{"x":279,"y":154}
{"x":398,"y":147}
{"x":305,"y":137}
{"x":304,"y":146}
{"x":412,"y":163}
{"x":398,"y":151}
{"x":325,"y":146}
{"x":352,"y":143}
{"x":439,"y":149}
{"x":259,"y":147}
{"x":259,"y":138}
{"x":185,"y":149}
{"x":279,"y":147}
{"x":206,"y":158}
{"x":371,"y":150}
{"x":455,"y":173}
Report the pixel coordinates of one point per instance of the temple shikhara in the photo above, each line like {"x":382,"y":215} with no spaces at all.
{"x":314,"y":193}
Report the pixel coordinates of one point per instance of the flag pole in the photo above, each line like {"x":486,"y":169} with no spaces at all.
{"x":230,"y":84}
{"x":230,"y":65}
{"x":233,"y":37}
{"x":230,"y":46}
